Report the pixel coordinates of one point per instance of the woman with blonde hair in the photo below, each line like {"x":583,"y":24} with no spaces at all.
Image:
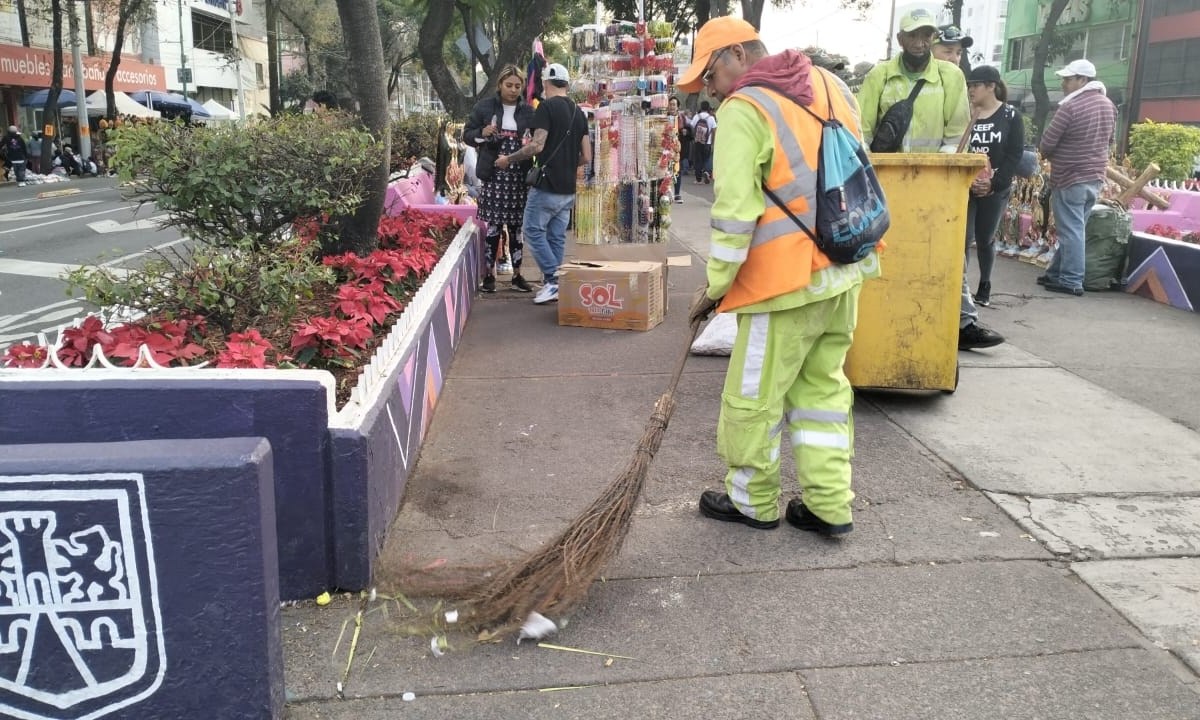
{"x":500,"y":125}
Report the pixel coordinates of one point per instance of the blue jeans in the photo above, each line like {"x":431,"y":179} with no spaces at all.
{"x":1071,"y":206}
{"x":545,"y":229}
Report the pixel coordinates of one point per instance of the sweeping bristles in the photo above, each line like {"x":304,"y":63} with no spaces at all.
{"x":555,"y":579}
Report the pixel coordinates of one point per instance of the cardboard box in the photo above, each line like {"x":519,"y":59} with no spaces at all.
{"x":611,"y":294}
{"x":623,"y":252}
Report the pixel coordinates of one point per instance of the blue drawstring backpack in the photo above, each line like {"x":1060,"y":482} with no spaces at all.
{"x":851,"y":211}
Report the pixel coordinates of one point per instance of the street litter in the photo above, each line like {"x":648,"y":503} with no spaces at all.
{"x":536,"y":627}
{"x":549,"y":646}
{"x":408,"y":697}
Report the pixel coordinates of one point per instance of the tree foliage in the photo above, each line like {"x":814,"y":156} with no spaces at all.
{"x":227,"y":185}
{"x":128,"y":14}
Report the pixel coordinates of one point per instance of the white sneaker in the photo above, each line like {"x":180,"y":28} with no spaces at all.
{"x":20,"y":184}
{"x":548,"y":293}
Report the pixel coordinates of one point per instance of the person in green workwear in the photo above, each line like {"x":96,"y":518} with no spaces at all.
{"x":940,"y":114}
{"x":796,"y":310}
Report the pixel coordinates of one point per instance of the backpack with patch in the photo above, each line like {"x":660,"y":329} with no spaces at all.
{"x":851,"y":211}
{"x":702,"y":129}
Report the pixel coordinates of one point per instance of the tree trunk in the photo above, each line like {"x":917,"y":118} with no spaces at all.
{"x":110,"y":76}
{"x":1037,"y":78}
{"x":514,"y":48}
{"x":360,"y":27}
{"x":50,"y":112}
{"x":89,"y":27}
{"x":24,"y":23}
{"x":271,"y":8}
{"x":431,"y":40}
{"x":752,"y":11}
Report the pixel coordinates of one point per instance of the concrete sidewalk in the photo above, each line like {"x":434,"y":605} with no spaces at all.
{"x":1023,"y":548}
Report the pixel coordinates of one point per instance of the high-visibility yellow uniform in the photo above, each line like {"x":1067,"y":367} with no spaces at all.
{"x":796,"y":311}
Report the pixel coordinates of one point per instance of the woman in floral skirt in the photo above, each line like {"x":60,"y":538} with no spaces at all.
{"x":499,"y":125}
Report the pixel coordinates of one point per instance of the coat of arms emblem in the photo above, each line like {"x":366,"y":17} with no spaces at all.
{"x":80,"y":628}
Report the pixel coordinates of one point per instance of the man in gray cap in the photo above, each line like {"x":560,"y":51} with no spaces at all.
{"x":1077,"y":144}
{"x":949,"y":43}
{"x":16,"y":151}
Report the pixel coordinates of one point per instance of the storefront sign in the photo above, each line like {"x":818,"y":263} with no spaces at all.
{"x":224,"y":5}
{"x":31,"y":67}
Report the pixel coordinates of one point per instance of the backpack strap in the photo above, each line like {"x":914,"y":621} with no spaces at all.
{"x":775,"y":199}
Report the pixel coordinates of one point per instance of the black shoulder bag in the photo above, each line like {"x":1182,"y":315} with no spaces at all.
{"x":889,"y":134}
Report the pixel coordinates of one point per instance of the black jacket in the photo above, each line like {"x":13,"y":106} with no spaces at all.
{"x":481,"y":117}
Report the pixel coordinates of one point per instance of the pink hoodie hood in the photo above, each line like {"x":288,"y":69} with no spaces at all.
{"x":788,"y":72}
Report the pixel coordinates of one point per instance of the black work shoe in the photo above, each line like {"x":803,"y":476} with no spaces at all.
{"x":976,"y":336}
{"x":718,"y":506}
{"x":983,"y":296}
{"x":1043,"y":280}
{"x":489,"y":284}
{"x":1055,"y":287}
{"x":520,"y":284}
{"x":799,"y":516}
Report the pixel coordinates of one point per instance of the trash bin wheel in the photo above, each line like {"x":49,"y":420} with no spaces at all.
{"x":951,"y":390}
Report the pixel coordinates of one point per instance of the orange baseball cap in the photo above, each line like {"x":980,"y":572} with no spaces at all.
{"x":716,"y":34}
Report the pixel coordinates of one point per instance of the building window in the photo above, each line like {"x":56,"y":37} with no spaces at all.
{"x":997,"y":51}
{"x":1003,"y":9}
{"x":1160,"y":8}
{"x":259,"y":74}
{"x":1020,"y":52}
{"x":1108,"y":44}
{"x":210,"y":34}
{"x":1170,"y":69}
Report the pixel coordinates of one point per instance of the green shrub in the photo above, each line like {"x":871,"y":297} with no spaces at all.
{"x":229,"y":185}
{"x":1172,"y":147}
{"x":233,"y":286}
{"x":414,"y":136}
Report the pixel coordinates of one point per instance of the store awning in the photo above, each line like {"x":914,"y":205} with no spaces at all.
{"x":37,"y":98}
{"x":218,"y":111}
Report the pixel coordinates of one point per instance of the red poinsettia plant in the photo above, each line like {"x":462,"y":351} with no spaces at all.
{"x":336,"y":320}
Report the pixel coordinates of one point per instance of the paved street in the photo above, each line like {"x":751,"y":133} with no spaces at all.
{"x":1025,"y":547}
{"x":46,"y":230}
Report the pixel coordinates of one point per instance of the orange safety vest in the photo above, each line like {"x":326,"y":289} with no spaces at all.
{"x":782,"y":258}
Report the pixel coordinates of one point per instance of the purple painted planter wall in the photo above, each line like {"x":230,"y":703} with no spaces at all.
{"x":1164,"y":270}
{"x":371,"y":462}
{"x":168,"y":546}
{"x":337,"y":484}
{"x":291,"y":414}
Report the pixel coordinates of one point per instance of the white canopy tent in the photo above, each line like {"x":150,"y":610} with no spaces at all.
{"x":218,"y":111}
{"x":96,"y":106}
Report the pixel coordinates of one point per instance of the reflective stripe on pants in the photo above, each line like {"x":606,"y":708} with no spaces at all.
{"x":786,"y":372}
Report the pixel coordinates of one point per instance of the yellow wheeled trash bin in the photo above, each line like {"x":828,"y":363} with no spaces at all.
{"x":907,"y":335}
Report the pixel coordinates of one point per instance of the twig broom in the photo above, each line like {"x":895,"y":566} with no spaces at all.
{"x":555,"y":579}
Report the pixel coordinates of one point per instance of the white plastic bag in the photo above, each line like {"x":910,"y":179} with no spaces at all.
{"x":717,"y":337}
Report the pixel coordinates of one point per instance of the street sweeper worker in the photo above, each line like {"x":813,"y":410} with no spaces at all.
{"x":796,"y":310}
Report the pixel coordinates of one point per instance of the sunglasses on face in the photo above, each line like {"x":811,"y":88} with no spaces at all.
{"x":707,"y":77}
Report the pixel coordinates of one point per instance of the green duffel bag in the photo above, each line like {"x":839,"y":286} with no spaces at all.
{"x":1108,"y":229}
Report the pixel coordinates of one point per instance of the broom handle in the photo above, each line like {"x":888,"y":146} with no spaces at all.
{"x":687,"y":350}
